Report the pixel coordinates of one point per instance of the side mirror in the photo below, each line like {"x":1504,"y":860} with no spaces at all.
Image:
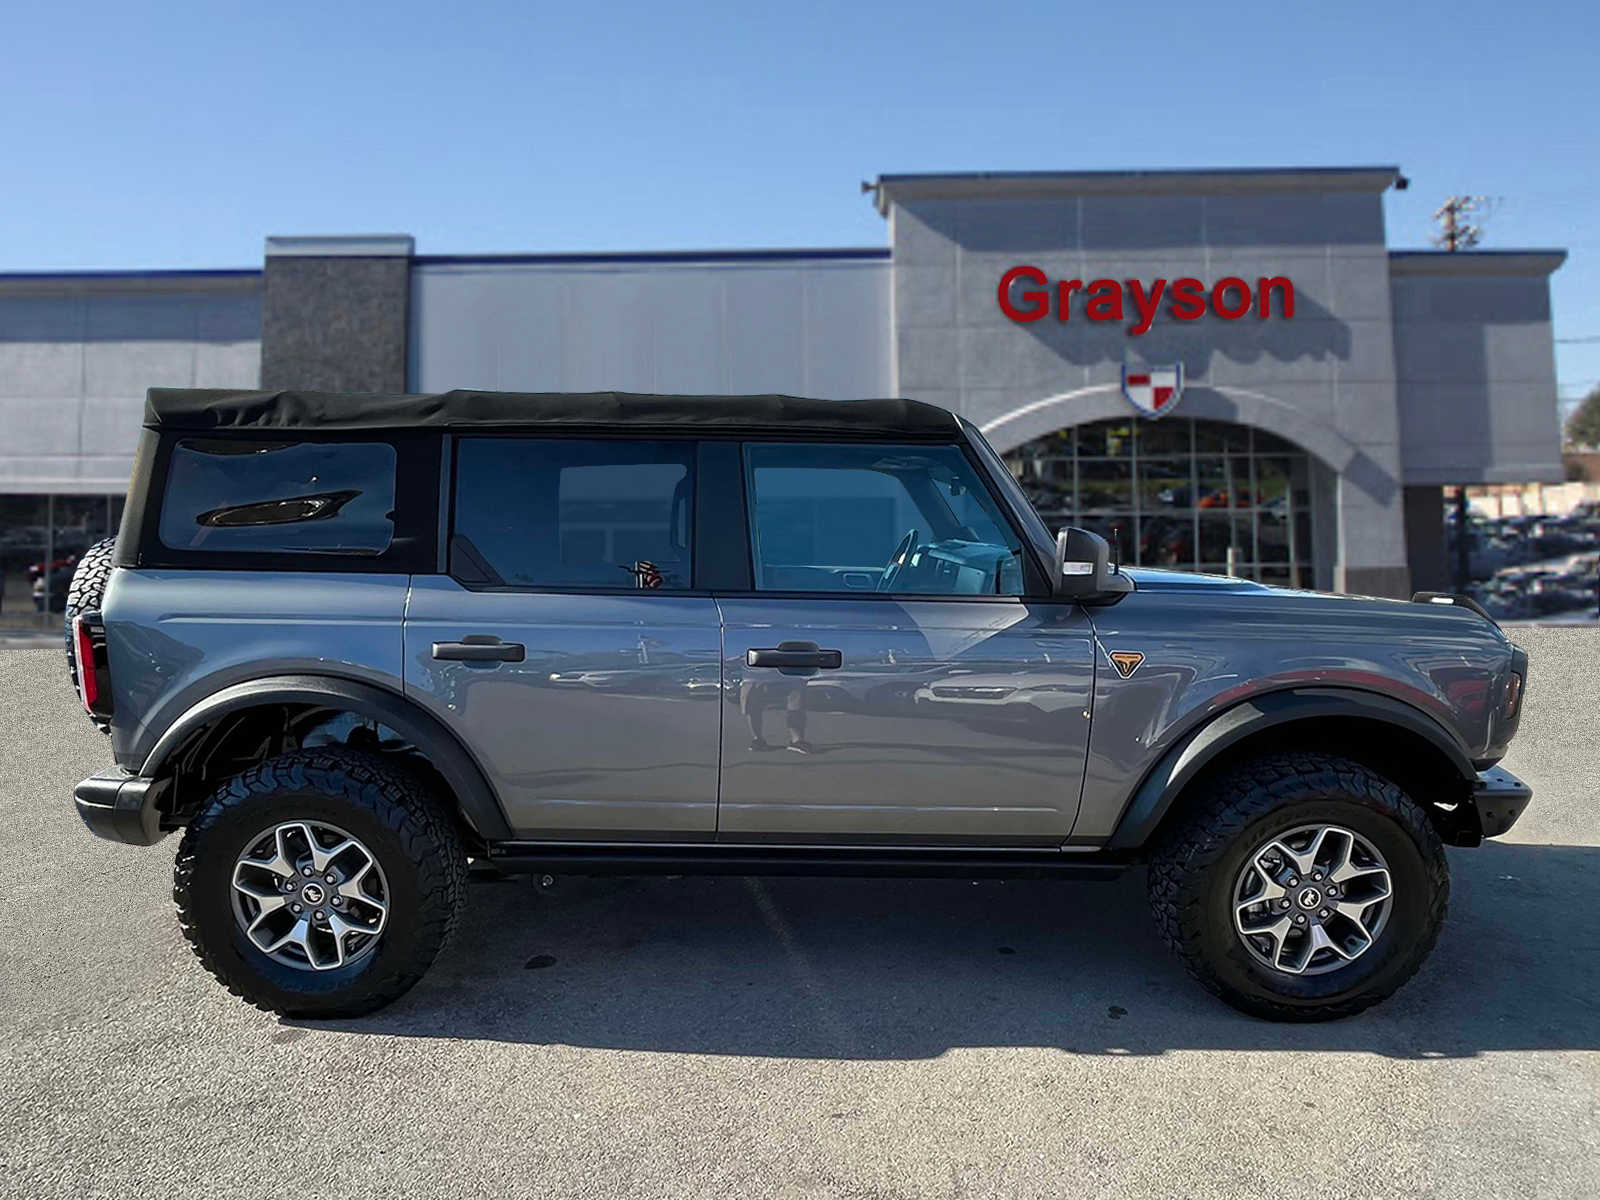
{"x":1083,"y":570}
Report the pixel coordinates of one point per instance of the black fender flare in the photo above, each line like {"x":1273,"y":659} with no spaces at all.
{"x":1176,"y":768}
{"x":460,"y":770}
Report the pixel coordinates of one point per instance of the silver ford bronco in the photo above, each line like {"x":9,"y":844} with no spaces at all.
{"x":348,"y":643}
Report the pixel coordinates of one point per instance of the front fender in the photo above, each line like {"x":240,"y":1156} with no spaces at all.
{"x":1210,"y":644}
{"x":1184,"y":761}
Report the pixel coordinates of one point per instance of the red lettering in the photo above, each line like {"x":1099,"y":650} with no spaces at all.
{"x":1146,"y":305}
{"x":1188,"y":299}
{"x":1039,"y":300}
{"x":1064,"y":291}
{"x":1219,"y":298}
{"x":1105,"y":301}
{"x":1264,"y":288}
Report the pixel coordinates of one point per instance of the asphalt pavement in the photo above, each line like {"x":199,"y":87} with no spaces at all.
{"x":796,"y":1037}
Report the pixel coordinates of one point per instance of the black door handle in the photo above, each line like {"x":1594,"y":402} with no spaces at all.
{"x":478,"y":648}
{"x":794,"y":657}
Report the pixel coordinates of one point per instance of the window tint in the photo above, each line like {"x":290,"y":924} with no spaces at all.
{"x":566,"y":513}
{"x":909,"y":520}
{"x":280,"y":497}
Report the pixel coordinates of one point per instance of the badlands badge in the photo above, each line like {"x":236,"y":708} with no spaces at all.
{"x":1126,"y":661}
{"x":1154,"y":391}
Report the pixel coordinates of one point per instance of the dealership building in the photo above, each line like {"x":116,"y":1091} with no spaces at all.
{"x":1225,"y":370}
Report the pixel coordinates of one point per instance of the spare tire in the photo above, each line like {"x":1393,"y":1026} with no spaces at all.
{"x":83,"y":594}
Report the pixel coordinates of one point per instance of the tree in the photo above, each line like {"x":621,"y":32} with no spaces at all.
{"x":1583,"y":426}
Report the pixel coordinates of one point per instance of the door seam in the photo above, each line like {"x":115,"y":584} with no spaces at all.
{"x":1088,"y":741}
{"x":722,"y":706}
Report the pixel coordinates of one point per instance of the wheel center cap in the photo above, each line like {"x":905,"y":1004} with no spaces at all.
{"x":1310,"y":898}
{"x":312,"y":893}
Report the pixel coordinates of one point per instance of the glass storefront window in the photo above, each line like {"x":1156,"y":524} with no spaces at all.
{"x":1189,"y":494}
{"x":1166,"y":437}
{"x":1165,"y":484}
{"x":1104,"y":485}
{"x":41,"y":539}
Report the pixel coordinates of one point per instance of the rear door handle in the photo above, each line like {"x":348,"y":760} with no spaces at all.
{"x":794,"y":657}
{"x":479,"y":648}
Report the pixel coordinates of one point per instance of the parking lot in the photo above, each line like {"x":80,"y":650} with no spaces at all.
{"x":795,"y":1037}
{"x":1531,"y":566}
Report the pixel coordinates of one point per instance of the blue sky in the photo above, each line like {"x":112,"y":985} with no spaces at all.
{"x":177,"y":135}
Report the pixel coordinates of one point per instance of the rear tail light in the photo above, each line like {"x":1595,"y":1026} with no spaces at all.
{"x":89,"y":647}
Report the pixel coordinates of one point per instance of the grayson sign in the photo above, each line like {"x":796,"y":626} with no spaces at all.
{"x":1101,"y":299}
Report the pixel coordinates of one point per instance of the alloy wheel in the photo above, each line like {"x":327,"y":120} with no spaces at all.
{"x":1312,"y":900}
{"x":310,"y":896}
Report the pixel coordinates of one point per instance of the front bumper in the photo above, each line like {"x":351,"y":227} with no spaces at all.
{"x":1499,"y":796}
{"x":121,"y":807}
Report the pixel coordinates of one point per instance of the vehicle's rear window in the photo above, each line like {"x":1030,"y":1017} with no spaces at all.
{"x":279,"y":497}
{"x":534,"y":512}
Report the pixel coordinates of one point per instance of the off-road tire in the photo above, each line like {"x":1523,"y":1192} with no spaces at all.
{"x":1194,"y":868}
{"x":83,"y":594}
{"x":388,"y":808}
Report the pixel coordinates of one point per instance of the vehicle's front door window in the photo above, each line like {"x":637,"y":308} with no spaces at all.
{"x":899,"y":520}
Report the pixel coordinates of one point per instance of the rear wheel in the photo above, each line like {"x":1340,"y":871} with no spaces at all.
{"x":1301,"y":887}
{"x":322,"y":883}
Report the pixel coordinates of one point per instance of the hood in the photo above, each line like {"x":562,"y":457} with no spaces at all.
{"x":1332,"y":605}
{"x":1154,"y":579}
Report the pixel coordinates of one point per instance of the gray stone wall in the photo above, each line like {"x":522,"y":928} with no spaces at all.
{"x":335,"y":313}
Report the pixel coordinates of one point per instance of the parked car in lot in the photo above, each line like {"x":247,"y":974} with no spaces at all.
{"x":348,"y":643}
{"x":1530,"y":565}
{"x":62,"y":565}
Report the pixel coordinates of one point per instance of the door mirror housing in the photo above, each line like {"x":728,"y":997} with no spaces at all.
{"x":1083,"y":570}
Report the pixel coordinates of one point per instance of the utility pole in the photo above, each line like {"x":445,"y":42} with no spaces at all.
{"x":1456,"y":231}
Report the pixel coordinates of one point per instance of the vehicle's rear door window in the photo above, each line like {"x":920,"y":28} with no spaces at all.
{"x":573,"y":513}
{"x":279,"y":497}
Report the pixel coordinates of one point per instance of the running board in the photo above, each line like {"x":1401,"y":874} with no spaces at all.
{"x":575,"y":859}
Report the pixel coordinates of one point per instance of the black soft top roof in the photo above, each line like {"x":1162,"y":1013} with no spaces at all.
{"x":211,"y":410}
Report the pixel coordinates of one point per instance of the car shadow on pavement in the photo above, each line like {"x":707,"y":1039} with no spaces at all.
{"x":904,"y":969}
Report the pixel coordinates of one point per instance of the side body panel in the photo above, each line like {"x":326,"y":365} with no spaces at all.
{"x":1209,"y":643}
{"x":947,"y":721}
{"x":173,"y":638}
{"x":608,"y":726}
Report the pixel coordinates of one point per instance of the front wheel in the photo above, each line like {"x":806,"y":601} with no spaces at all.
{"x":1301,"y":887}
{"x":321,"y":883}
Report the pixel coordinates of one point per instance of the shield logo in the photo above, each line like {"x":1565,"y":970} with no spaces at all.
{"x":1154,"y":391}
